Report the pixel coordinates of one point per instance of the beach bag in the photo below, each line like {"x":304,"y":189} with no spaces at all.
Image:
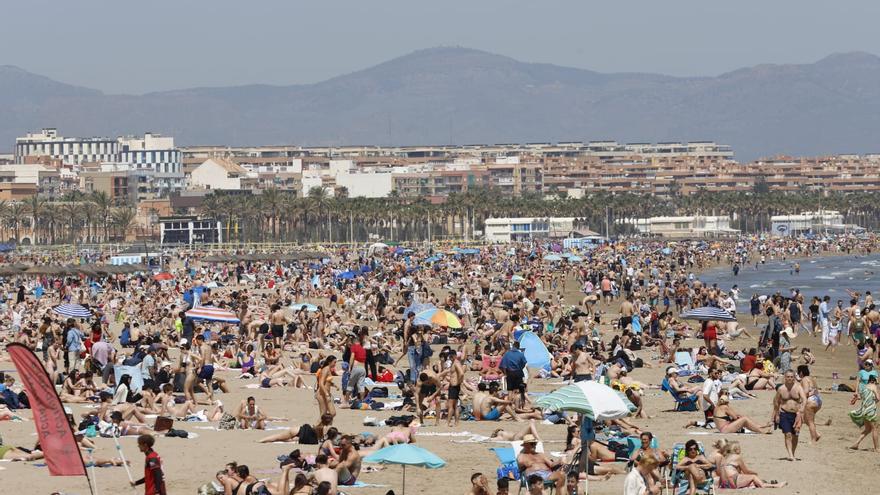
{"x":227,"y":422}
{"x":177,"y":433}
{"x":163,"y":423}
{"x":307,"y":435}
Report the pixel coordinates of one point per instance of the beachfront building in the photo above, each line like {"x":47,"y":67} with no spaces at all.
{"x":525,"y":229}
{"x":698,"y":226}
{"x":814,"y":222}
{"x":189,"y":230}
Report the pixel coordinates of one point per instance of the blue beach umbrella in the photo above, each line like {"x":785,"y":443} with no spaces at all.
{"x":405,"y":455}
{"x":552,"y":257}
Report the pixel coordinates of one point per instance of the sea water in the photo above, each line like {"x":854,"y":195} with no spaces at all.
{"x":820,"y":276}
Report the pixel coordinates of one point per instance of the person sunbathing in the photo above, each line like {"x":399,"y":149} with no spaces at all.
{"x":293,"y":434}
{"x":695,"y":466}
{"x":279,"y":376}
{"x":127,"y":428}
{"x":398,"y":435}
{"x":510,"y":436}
{"x":734,"y":474}
{"x":758,"y":379}
{"x":679,"y":388}
{"x":728,"y":420}
{"x":646,"y":450}
{"x":249,"y":415}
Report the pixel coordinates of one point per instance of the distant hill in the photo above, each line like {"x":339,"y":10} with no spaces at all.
{"x":464,"y":96}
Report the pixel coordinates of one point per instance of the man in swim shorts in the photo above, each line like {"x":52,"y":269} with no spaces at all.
{"x":788,"y":411}
{"x":531,"y":463}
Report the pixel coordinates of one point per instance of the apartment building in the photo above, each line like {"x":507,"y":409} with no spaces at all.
{"x":70,"y":150}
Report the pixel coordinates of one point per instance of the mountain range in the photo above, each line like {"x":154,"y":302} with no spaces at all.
{"x":465,"y":96}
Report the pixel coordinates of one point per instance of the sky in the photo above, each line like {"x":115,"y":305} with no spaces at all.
{"x":137,"y":47}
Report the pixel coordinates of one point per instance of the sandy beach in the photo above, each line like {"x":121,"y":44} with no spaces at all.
{"x":823,"y":467}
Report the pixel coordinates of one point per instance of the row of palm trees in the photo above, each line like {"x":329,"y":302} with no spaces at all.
{"x":75,"y":218}
{"x":281,"y":216}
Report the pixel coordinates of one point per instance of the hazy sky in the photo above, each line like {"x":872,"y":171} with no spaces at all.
{"x":135,"y":47}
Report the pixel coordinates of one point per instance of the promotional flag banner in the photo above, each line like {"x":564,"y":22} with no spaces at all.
{"x":56,"y":436}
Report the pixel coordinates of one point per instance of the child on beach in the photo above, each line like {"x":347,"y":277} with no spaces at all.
{"x":833,"y":332}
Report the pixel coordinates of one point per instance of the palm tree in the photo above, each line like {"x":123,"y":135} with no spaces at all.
{"x":4,"y":215}
{"x":103,"y":203}
{"x":72,"y":214}
{"x":272,"y":202}
{"x":122,"y":219}
{"x":17,"y":215}
{"x":319,"y":197}
{"x":35,"y":208}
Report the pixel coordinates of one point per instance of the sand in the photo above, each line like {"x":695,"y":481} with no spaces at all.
{"x":826,"y":467}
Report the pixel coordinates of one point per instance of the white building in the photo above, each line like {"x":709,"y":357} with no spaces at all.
{"x":814,"y":222}
{"x":524,"y":229}
{"x":373,"y":184}
{"x":690,"y":226}
{"x":71,"y":151}
{"x":218,"y":173}
{"x":155,"y":153}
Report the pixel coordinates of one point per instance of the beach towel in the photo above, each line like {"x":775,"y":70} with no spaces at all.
{"x":476,"y":439}
{"x":685,"y":362}
{"x":361,"y":484}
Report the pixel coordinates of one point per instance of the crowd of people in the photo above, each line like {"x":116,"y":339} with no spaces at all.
{"x":346,"y":325}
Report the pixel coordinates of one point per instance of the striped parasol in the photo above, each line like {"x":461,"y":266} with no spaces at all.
{"x":73,"y":311}
{"x":210,"y":313}
{"x":596,"y":401}
{"x":707,"y":313}
{"x":439,"y":317}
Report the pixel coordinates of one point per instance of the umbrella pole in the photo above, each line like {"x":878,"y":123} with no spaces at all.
{"x":403,"y":490}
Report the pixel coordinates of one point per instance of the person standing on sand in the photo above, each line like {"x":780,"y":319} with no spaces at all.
{"x":824,"y":315}
{"x":153,"y":480}
{"x":788,"y":411}
{"x":456,"y":372}
{"x":866,"y":415}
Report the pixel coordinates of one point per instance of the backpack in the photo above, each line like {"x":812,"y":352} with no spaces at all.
{"x":307,"y":435}
{"x":227,"y":422}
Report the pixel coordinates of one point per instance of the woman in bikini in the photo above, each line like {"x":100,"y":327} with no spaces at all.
{"x":727,"y":420}
{"x":509,"y":436}
{"x":127,"y":428}
{"x":734,"y":474}
{"x":814,"y":400}
{"x":398,"y":435}
{"x":324,"y":385}
{"x":757,"y":379}
{"x":187,"y":362}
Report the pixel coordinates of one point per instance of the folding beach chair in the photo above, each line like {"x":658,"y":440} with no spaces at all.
{"x":510,"y":469}
{"x":683,"y":402}
{"x":678,"y":481}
